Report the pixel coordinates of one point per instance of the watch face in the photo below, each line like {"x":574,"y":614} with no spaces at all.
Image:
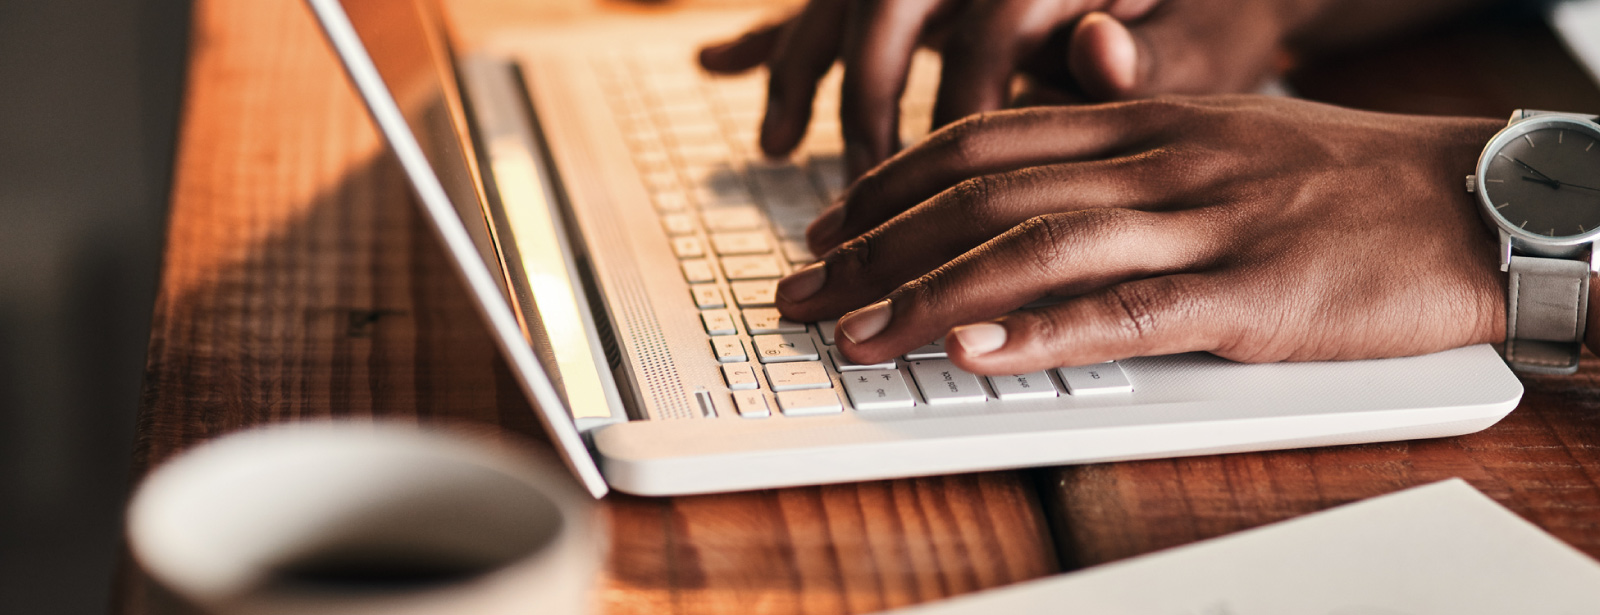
{"x":1546,"y":181}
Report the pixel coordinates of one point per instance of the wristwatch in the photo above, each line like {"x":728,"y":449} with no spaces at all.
{"x":1538,"y":183}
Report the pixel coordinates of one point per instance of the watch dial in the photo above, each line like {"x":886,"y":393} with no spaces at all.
{"x":1547,"y":181}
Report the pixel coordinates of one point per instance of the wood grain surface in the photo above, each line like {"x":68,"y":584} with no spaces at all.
{"x":298,"y":284}
{"x":1542,"y":461}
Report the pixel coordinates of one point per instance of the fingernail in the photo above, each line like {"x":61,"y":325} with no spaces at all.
{"x":860,"y":325}
{"x":980,"y":339}
{"x":826,"y":226}
{"x":802,"y":284}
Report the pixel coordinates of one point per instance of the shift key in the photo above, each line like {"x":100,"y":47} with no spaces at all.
{"x":942,"y":383}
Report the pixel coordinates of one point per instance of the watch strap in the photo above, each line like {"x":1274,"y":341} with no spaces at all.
{"x":1545,"y":320}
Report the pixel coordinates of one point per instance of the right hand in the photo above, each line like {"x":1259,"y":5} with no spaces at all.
{"x":1096,"y":50}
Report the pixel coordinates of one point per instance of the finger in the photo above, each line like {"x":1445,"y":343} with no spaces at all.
{"x":1079,"y":250}
{"x":1178,"y":48}
{"x":879,"y":42}
{"x":964,"y":217}
{"x":987,"y":144}
{"x":1103,"y":57}
{"x":750,"y":50}
{"x":1146,"y":317}
{"x":804,"y":52}
{"x":983,"y":52}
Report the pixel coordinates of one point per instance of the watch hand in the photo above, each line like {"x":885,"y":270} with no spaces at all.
{"x":1553,"y":184}
{"x":1530,"y":168}
{"x":1578,"y":186}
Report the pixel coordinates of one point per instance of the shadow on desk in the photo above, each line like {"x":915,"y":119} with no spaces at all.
{"x":299,"y":283}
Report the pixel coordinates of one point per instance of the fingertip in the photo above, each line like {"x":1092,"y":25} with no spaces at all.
{"x":778,"y":136}
{"x":979,"y":339}
{"x":715,"y":58}
{"x":1104,"y":58}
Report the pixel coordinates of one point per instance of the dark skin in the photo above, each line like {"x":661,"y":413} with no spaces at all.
{"x":1077,"y":50}
{"x":1255,"y":228}
{"x":1259,"y":229}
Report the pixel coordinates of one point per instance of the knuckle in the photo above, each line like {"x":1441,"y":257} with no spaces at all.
{"x":1052,"y":239}
{"x":1048,"y":330}
{"x":972,"y":194}
{"x":966,"y":139}
{"x":859,"y":254}
{"x":1168,"y":113}
{"x":1135,"y":309}
{"x":1046,"y":238}
{"x":933,"y":293}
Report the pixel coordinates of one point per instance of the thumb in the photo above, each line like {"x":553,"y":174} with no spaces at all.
{"x":1196,"y":51}
{"x":1103,"y":57}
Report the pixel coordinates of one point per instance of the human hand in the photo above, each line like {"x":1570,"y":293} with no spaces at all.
{"x":1084,"y":46}
{"x":1259,"y":229}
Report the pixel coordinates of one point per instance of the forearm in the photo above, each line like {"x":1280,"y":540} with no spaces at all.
{"x":1323,"y":26}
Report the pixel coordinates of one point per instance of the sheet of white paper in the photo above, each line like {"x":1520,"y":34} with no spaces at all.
{"x":1443,"y":548}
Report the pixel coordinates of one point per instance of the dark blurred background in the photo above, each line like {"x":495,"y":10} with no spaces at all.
{"x":89,"y":97}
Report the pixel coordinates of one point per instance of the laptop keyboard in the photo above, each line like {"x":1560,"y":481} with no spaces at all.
{"x":736,"y":222}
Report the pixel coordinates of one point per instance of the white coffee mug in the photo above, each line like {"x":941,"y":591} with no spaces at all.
{"x":357,"y":518}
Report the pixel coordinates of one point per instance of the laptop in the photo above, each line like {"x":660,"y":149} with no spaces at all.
{"x":608,"y":211}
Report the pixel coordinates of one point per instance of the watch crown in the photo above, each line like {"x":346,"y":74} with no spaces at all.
{"x":1472,"y":183}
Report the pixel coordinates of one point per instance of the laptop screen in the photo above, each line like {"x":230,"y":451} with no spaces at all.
{"x":403,"y":42}
{"x":396,"y":55}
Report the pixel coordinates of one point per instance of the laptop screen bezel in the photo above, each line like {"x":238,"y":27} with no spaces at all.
{"x":488,"y":295}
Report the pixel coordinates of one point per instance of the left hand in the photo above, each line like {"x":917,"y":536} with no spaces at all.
{"x":1095,"y":49}
{"x":1259,"y":229}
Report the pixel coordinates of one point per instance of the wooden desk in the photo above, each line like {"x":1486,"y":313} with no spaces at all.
{"x":298,"y":283}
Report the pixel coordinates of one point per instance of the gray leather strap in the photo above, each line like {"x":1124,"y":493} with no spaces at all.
{"x":1548,"y":301}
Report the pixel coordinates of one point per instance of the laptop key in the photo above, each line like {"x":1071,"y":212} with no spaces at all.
{"x":718,"y":322}
{"x":1036,"y":385}
{"x":705,"y":151}
{"x":670,"y":200}
{"x":707,"y":296}
{"x":877,"y":390}
{"x":698,"y":270}
{"x":933,"y":350}
{"x":1097,"y":379}
{"x":845,"y":365}
{"x":756,"y":293}
{"x":688,"y":247}
{"x":809,"y":402}
{"x":827,"y":329}
{"x":828,"y":171}
{"x":678,"y":224}
{"x":792,"y":226}
{"x":740,"y":376}
{"x":751,"y":267}
{"x":785,"y":348}
{"x":761,"y":321}
{"x":728,"y":349}
{"x":797,"y":376}
{"x":734,"y":244}
{"x":751,"y":404}
{"x":796,"y":252}
{"x":942,"y":383}
{"x":744,"y":218}
{"x":785,"y":185}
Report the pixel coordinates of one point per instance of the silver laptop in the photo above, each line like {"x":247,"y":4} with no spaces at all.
{"x":609,"y":212}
